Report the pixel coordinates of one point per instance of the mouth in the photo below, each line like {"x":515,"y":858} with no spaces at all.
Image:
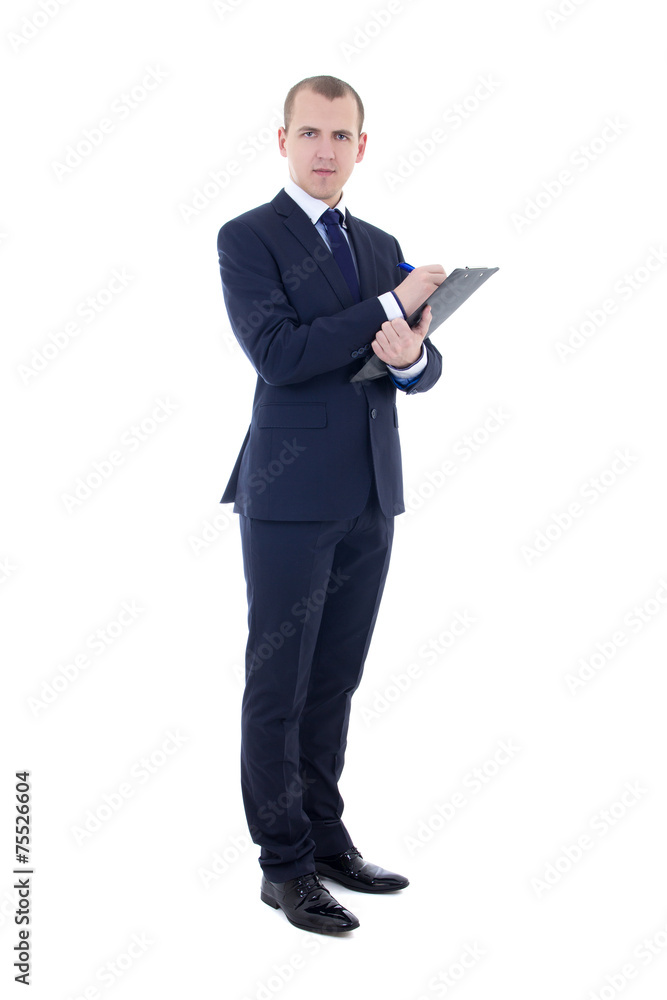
{"x":322,"y":172}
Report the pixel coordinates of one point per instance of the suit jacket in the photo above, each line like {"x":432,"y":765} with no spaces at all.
{"x":314,"y":438}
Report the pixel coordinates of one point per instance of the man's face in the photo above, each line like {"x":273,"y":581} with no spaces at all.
{"x":323,"y":144}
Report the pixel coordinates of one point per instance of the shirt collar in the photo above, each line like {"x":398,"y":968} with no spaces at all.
{"x":313,"y":207}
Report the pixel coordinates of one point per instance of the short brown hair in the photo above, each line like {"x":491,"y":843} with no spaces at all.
{"x":328,"y":86}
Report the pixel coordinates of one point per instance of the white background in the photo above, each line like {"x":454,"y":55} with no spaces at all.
{"x":493,"y":878}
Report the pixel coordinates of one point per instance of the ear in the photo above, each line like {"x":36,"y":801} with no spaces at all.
{"x":282,"y":137}
{"x":361,"y":149}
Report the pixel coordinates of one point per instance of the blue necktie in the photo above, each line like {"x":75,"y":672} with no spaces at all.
{"x":342,"y":254}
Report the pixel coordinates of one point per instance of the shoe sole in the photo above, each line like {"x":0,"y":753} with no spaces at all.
{"x":305,"y":927}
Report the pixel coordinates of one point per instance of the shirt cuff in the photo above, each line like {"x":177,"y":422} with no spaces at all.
{"x":405,"y":374}
{"x":391,"y":305}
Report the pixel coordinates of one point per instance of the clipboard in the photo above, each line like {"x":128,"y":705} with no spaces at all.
{"x":446,"y":299}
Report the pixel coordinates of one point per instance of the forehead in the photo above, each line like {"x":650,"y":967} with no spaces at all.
{"x":315,"y":109}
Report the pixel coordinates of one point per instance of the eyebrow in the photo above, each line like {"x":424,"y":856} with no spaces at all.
{"x":335,"y":131}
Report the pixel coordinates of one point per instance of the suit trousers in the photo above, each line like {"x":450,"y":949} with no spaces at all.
{"x":314,"y":590}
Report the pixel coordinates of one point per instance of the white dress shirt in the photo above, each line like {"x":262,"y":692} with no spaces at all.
{"x":313,"y":207}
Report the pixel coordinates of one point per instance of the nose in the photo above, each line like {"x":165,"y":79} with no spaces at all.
{"x":325,"y":148}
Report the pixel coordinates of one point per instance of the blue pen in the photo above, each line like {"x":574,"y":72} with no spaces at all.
{"x":406,"y":267}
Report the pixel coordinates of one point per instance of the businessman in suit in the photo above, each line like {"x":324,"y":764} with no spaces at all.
{"x":310,"y":291}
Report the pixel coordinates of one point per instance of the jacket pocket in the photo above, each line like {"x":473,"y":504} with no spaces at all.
{"x":292,"y":415}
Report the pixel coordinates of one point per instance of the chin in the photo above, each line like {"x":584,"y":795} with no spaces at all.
{"x":323,"y":193}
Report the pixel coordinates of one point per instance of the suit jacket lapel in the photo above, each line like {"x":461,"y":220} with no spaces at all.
{"x":300,"y":226}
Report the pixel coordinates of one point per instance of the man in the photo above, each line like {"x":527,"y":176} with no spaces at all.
{"x":310,"y":290}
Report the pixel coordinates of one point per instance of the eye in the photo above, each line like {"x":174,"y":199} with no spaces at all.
{"x":341,"y":136}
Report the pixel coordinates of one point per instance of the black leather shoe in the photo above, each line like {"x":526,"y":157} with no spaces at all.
{"x":308,"y":904}
{"x":350,"y":869}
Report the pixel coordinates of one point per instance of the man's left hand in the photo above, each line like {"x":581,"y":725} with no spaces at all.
{"x":400,"y":345}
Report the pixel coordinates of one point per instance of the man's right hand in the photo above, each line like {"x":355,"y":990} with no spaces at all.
{"x":418,"y":285}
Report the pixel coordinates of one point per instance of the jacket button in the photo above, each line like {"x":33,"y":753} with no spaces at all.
{"x":355,"y":354}
{"x":374,"y":413}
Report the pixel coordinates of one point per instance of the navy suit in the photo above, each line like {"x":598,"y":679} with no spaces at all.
{"x":317,"y":483}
